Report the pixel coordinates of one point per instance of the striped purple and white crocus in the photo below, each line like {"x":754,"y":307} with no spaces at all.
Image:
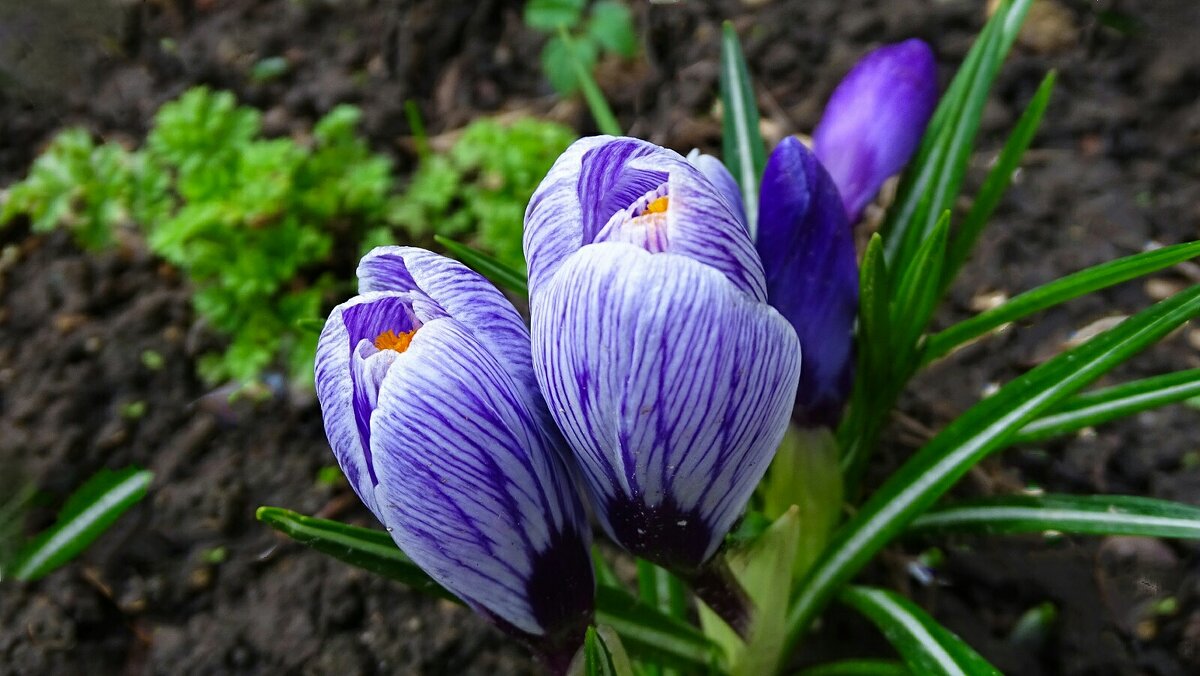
{"x":668,"y":373}
{"x":433,"y":412}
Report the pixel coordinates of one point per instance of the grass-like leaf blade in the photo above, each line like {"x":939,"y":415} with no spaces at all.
{"x":645,"y":630}
{"x":932,"y":185}
{"x":90,"y":511}
{"x":857,"y":668}
{"x":1083,"y":514}
{"x":606,"y":122}
{"x":917,"y":295}
{"x":985,"y":427}
{"x":997,"y":181}
{"x":603,"y":654}
{"x":742,"y":143}
{"x":1056,"y":292}
{"x":1110,"y":403}
{"x":926,"y":646}
{"x":366,"y":548}
{"x":500,"y":274}
{"x":650,"y":635}
{"x":873,"y":378}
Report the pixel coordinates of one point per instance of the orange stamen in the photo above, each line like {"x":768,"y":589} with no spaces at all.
{"x":388,"y":340}
{"x":658,"y":206}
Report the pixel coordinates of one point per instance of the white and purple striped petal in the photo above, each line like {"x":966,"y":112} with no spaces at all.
{"x":875,"y":118}
{"x":807,"y":249}
{"x":461,"y":292}
{"x":474,"y":490}
{"x":717,"y":173}
{"x":601,"y":185}
{"x":672,"y":386}
{"x":344,"y":378}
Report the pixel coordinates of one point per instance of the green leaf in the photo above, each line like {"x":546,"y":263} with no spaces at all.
{"x":1083,"y":514}
{"x":498,"y":273}
{"x":550,"y":15}
{"x":1110,"y":403}
{"x":562,"y":58}
{"x":926,"y":646}
{"x":611,"y":25}
{"x":743,"y":149}
{"x":997,"y":181}
{"x":661,"y":589}
{"x":310,"y":325}
{"x":605,"y":576}
{"x":653,"y":636}
{"x":931,"y":186}
{"x":873,"y":384}
{"x":90,"y":511}
{"x":1058,"y":291}
{"x":606,"y":122}
{"x":805,"y":474}
{"x":857,"y":668}
{"x":645,"y":630}
{"x":764,"y":569}
{"x":366,"y":548}
{"x":875,"y":323}
{"x":985,"y":427}
{"x":603,"y":654}
{"x":917,"y":296}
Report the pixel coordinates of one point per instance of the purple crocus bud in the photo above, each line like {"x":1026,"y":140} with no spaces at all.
{"x":668,"y":373}
{"x":875,"y":118}
{"x":807,"y":250}
{"x":430,"y":404}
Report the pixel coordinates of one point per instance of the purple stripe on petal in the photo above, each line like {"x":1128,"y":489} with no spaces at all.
{"x":717,"y":174}
{"x":599,"y":181}
{"x":610,"y":180}
{"x":672,"y":387}
{"x":703,"y":228}
{"x":554,"y":216}
{"x":473,"y":488}
{"x":345,"y":395}
{"x":807,"y":250}
{"x":462,"y":293}
{"x":875,"y":118}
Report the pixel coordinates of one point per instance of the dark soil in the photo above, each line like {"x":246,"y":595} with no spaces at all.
{"x":190,"y":583}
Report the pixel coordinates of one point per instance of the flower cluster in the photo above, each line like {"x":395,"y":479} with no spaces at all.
{"x":659,"y":373}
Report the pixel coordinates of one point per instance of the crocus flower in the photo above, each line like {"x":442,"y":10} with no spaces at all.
{"x":664,"y":366}
{"x":809,"y":200}
{"x":807,"y":250}
{"x":875,"y":118}
{"x":434,"y":415}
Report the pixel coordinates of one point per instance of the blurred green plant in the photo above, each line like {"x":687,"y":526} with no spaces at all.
{"x":252,"y":221}
{"x":605,"y":27}
{"x":79,"y":185}
{"x":245,"y":217}
{"x":87,"y":514}
{"x":482,"y":185}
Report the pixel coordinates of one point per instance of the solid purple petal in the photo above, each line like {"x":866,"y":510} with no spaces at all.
{"x":807,"y":249}
{"x":875,"y":119}
{"x":672,"y":387}
{"x":461,"y":292}
{"x":600,"y":177}
{"x":473,"y":489}
{"x":717,"y":174}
